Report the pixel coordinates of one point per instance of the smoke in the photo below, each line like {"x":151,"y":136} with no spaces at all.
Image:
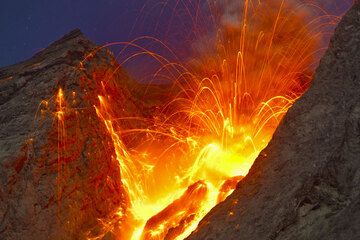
{"x":259,"y":18}
{"x":231,"y":11}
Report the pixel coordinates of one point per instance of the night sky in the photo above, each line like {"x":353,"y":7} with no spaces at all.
{"x":29,"y":26}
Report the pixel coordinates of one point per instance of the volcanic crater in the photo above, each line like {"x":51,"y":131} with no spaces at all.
{"x":77,"y":132}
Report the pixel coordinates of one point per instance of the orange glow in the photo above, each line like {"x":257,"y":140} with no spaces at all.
{"x":225,"y":105}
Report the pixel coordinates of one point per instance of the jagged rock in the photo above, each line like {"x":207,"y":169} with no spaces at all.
{"x":306,"y":183}
{"x":47,"y":193}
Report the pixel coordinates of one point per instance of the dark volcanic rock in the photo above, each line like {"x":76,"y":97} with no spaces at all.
{"x":55,"y":183}
{"x":306,"y":183}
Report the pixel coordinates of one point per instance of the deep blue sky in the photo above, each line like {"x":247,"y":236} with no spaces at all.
{"x":27,"y":26}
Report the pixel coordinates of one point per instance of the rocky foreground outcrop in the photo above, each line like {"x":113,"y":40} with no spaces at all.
{"x":306,"y":183}
{"x":54,"y":181}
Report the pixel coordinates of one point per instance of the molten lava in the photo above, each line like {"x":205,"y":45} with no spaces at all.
{"x":225,"y":105}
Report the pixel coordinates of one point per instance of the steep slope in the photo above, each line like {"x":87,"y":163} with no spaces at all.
{"x":55,"y":182}
{"x":306,"y":183}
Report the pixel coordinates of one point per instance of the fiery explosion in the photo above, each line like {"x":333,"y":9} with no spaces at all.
{"x":225,"y":104}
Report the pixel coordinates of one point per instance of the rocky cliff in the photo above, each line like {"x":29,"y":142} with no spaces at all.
{"x":54,"y":181}
{"x":306,"y":183}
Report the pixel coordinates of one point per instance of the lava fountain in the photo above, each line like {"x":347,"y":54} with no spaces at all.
{"x":225,"y":104}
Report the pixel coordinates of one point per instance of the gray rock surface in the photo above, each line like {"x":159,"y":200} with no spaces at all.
{"x":306,"y":183}
{"x":42,"y":195}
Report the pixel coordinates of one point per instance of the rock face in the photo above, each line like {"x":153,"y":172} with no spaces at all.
{"x":54,"y":183}
{"x":306,"y":183}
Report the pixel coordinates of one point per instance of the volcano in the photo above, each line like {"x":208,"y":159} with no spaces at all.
{"x":68,"y":171}
{"x":305,"y":184}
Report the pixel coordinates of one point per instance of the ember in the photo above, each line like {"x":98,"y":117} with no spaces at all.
{"x":223,"y":110}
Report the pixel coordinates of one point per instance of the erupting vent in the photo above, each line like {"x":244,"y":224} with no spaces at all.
{"x":184,"y":156}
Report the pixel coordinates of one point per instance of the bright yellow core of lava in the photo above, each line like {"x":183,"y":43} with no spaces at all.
{"x":227,"y":108}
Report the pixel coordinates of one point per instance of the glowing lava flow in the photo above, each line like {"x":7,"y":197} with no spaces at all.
{"x":173,"y":217}
{"x":229,"y":104}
